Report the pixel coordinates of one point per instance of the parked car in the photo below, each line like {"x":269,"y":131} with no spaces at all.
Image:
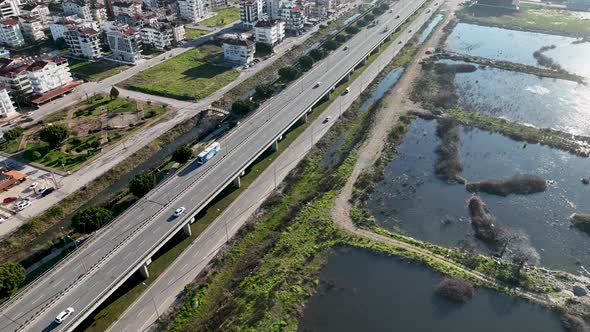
{"x":41,"y":190}
{"x":9,"y":199}
{"x":327,"y":119}
{"x":64,"y":315}
{"x":22,"y":205}
{"x":48,"y":191}
{"x":33,"y":185}
{"x":179,"y":211}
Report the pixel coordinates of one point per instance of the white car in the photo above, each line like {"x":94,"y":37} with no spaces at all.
{"x":41,"y":190}
{"x":2,"y":219}
{"x":22,"y":205}
{"x":64,"y":315}
{"x":33,"y":185}
{"x":179,"y":211}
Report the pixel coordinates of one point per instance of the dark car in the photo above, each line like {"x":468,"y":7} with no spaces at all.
{"x":9,"y":200}
{"x":48,"y":191}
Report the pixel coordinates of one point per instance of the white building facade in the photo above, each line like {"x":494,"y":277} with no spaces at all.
{"x":239,"y":51}
{"x":10,"y":33}
{"x":270,"y":32}
{"x":47,"y":75}
{"x":161,"y":35}
{"x":294,"y":17}
{"x":251,"y":11}
{"x":125,"y":43}
{"x":192,"y":10}
{"x":32,"y":27}
{"x":9,"y":8}
{"x":7,"y":109}
{"x":83,"y":43}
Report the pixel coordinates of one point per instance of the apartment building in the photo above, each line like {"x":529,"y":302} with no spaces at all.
{"x":125,"y":42}
{"x":217,"y":4}
{"x":32,"y":28}
{"x":83,"y":43}
{"x":192,"y":10}
{"x":33,"y":9}
{"x":14,"y":77}
{"x":131,"y":8}
{"x":63,"y":24}
{"x":251,"y":11}
{"x":239,"y":51}
{"x":84,"y":10}
{"x":270,"y":32}
{"x":10,"y":33}
{"x":9,"y":8}
{"x":7,"y":109}
{"x":294,"y":17}
{"x":48,"y":75}
{"x":162,"y":35}
{"x":273,"y":8}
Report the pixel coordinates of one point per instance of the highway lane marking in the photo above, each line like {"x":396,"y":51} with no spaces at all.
{"x":184,"y":266}
{"x":57,"y":283}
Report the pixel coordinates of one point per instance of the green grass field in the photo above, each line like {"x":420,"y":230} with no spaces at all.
{"x":95,"y":71}
{"x":223,"y":17}
{"x":188,"y":76}
{"x":529,"y":17}
{"x":195,"y":33}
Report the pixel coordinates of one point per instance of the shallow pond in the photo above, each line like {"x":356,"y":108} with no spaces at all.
{"x":428,"y":30}
{"x":519,"y":46}
{"x":412,"y":198}
{"x":542,"y":102}
{"x":362,"y":291}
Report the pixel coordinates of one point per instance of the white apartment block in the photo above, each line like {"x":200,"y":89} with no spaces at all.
{"x":85,"y":10}
{"x":32,"y":28}
{"x":31,"y":9}
{"x":7,"y":109}
{"x":192,"y":10}
{"x":130,"y":8}
{"x":83,"y":43}
{"x":294,"y":17}
{"x":218,"y":4}
{"x":125,"y":42}
{"x":238,"y":51}
{"x":273,"y":8}
{"x":9,"y":8}
{"x":251,"y":11}
{"x":47,"y":75}
{"x":270,"y":32}
{"x":13,"y":75}
{"x":10,"y":33}
{"x":59,"y":27}
{"x":162,"y":35}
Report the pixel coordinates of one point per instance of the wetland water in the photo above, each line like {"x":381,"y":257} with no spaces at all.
{"x":412,"y":199}
{"x":362,"y":291}
{"x":525,"y":98}
{"x":500,"y":44}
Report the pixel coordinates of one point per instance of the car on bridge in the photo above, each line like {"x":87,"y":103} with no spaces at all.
{"x":179,"y":211}
{"x":64,"y":315}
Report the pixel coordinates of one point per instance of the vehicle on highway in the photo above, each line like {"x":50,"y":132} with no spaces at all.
{"x":179,"y":211}
{"x":208,"y":153}
{"x":33,"y":185}
{"x":48,"y":191}
{"x":399,"y":42}
{"x":327,"y":119}
{"x":64,"y":315}
{"x":386,"y":29}
{"x":397,"y":16}
{"x":346,"y":91}
{"x":345,"y":48}
{"x":23,"y":205}
{"x":9,"y":200}
{"x":317,"y":84}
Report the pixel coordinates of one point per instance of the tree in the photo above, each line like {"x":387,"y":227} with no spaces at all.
{"x":54,"y":135}
{"x":317,"y":54}
{"x":288,"y":73}
{"x":263,"y":49}
{"x":141,"y":184}
{"x":90,"y":219}
{"x":378,"y":11}
{"x":11,"y":276}
{"x":264,"y":91}
{"x":351,"y":29}
{"x":182,"y":154}
{"x":306,"y":62}
{"x":341,"y":38}
{"x":384,"y":6}
{"x":331,"y":45}
{"x":114,"y":93}
{"x":369,"y":18}
{"x":243,"y":106}
{"x":361,"y":23}
{"x":12,"y":134}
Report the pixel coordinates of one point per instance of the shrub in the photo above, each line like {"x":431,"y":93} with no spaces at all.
{"x":114,"y":93}
{"x":243,"y":106}
{"x":361,"y":23}
{"x":182,"y":154}
{"x":11,"y":276}
{"x":455,"y":289}
{"x":141,"y":184}
{"x":264,"y":91}
{"x":368,"y":18}
{"x":36,"y":155}
{"x":317,"y":54}
{"x":288,"y":73}
{"x":12,"y":134}
{"x":341,"y":38}
{"x":95,"y":144}
{"x":90,"y":219}
{"x":352,"y":29}
{"x":331,"y":45}
{"x":306,"y":62}
{"x":574,"y":323}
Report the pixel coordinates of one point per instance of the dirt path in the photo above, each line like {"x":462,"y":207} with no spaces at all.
{"x":104,"y":121}
{"x":397,"y":103}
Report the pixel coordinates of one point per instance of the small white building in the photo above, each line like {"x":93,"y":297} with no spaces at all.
{"x":63,"y":24}
{"x":192,"y":10}
{"x":294,"y":17}
{"x":251,"y":11}
{"x":270,"y":32}
{"x":125,"y":42}
{"x":273,"y":8}
{"x":33,"y":9}
{"x":131,"y":8}
{"x":47,"y":75}
{"x":10,"y":33}
{"x":240,"y":51}
{"x":83,"y":43}
{"x":9,"y":8}
{"x":7,"y":109}
{"x":217,"y":4}
{"x":162,"y":35}
{"x":32,"y":27}
{"x":86,"y":11}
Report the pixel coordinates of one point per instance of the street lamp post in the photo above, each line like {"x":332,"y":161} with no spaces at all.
{"x":153,"y":302}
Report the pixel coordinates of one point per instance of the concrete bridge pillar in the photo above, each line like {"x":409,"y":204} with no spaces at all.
{"x":193,"y":220}
{"x":237,"y":182}
{"x":303,"y":118}
{"x":347,"y":77}
{"x":143,"y":270}
{"x":275,"y":146}
{"x":186,"y":229}
{"x":243,"y":173}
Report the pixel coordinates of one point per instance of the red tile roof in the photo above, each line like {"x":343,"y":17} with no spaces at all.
{"x":55,"y":92}
{"x":9,"y":21}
